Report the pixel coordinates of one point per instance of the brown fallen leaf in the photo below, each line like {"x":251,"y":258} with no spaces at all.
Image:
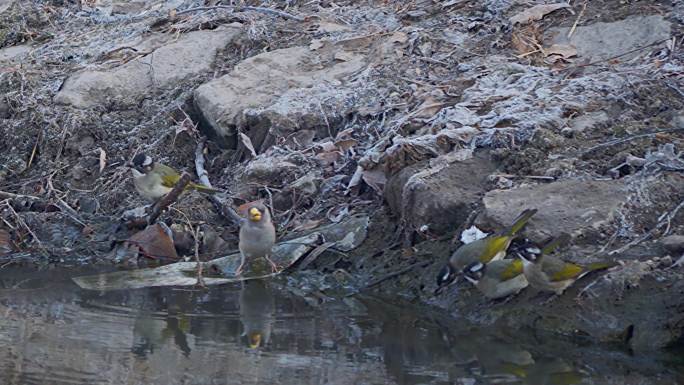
{"x":154,"y":242}
{"x":375,"y":178}
{"x":560,"y":52}
{"x":536,"y":13}
{"x":5,"y":242}
{"x":308,"y":225}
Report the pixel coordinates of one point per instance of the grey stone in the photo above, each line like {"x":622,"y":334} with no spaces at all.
{"x":673,"y":243}
{"x":276,"y":93}
{"x":600,"y":41}
{"x":441,"y":196}
{"x":6,"y":4}
{"x":576,"y":207}
{"x":586,"y":122}
{"x":164,"y":68}
{"x":14,"y":52}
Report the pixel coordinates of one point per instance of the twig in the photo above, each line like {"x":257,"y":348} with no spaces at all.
{"x":22,"y":223}
{"x":223,"y":209}
{"x":542,"y":177}
{"x":239,"y":8}
{"x":616,"y":56}
{"x":615,"y":142}
{"x":200,"y":279}
{"x":9,"y":195}
{"x":396,"y":274}
{"x":664,"y":219}
{"x":574,"y":26}
{"x":159,"y":206}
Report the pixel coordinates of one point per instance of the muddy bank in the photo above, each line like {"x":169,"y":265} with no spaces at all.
{"x":428,"y":117}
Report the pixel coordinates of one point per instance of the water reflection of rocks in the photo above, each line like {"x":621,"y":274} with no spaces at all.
{"x":257,"y":333}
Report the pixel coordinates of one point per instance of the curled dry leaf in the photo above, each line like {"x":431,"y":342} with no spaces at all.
{"x":248,"y":144}
{"x":103,"y":160}
{"x":375,"y":178}
{"x":154,"y":242}
{"x":560,"y":52}
{"x":536,"y":13}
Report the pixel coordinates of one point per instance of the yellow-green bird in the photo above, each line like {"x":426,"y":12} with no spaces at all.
{"x":550,"y":273}
{"x":498,"y":279}
{"x":485,"y":250}
{"x":153,"y":180}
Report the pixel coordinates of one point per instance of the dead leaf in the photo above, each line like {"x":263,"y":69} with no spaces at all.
{"x":536,"y":13}
{"x":308,"y":225}
{"x":248,"y":143}
{"x":342,"y":211}
{"x":154,"y":242}
{"x":560,"y":52}
{"x":328,"y":158}
{"x":316,"y":44}
{"x":398,"y":37}
{"x":344,"y":56}
{"x":5,"y":242}
{"x":314,"y":254}
{"x":329,"y":27}
{"x":326,"y":146}
{"x":103,"y":160}
{"x":346,"y":144}
{"x":375,"y":178}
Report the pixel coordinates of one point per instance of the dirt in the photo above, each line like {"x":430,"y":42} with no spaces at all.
{"x":379,"y":91}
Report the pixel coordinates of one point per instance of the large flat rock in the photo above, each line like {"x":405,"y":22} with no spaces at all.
{"x":600,"y":41}
{"x":276,"y":93}
{"x":577,"y":207}
{"x":163,"y":68}
{"x":440,"y":196}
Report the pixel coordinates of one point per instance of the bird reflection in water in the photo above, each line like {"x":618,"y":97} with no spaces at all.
{"x":257,"y":312}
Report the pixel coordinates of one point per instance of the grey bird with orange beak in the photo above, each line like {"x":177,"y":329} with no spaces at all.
{"x":257,"y":234}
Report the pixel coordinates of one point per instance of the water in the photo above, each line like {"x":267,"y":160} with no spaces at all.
{"x":51,"y":332}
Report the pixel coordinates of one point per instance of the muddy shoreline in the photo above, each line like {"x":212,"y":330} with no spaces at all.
{"x":427,"y":118}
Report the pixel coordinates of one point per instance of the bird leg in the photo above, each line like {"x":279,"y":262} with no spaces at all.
{"x":274,"y":267}
{"x":238,"y":271}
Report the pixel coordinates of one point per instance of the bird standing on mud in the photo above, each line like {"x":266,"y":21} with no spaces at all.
{"x":153,"y":180}
{"x":485,"y":250}
{"x":505,"y":277}
{"x":257,"y":235}
{"x":550,"y":273}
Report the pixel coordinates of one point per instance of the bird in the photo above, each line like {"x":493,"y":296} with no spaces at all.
{"x":497,"y":279}
{"x":257,"y":234}
{"x":485,"y":250}
{"x":550,"y":273}
{"x":153,"y":180}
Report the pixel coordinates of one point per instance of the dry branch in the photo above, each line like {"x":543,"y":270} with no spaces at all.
{"x":244,"y":8}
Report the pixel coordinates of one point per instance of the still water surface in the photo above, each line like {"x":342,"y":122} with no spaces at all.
{"x":52,"y":332}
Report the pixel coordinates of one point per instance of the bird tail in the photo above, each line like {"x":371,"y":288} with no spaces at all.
{"x":202,"y":188}
{"x":600,"y":266}
{"x":520,"y":222}
{"x":553,"y":244}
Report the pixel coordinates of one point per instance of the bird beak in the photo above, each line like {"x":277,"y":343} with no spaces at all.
{"x":254,"y":340}
{"x":254,"y":214}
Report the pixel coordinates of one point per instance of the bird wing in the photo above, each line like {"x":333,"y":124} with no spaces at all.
{"x":512,"y":269}
{"x":168,"y":175}
{"x":558,"y":270}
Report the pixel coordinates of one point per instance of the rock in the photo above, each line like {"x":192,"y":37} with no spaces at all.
{"x":6,"y":4}
{"x":14,"y":52}
{"x":441,"y":196}
{"x":167,"y":66}
{"x":273,"y":94}
{"x":576,"y":207}
{"x":673,"y":243}
{"x":273,"y":170}
{"x":600,"y":41}
{"x":586,"y":122}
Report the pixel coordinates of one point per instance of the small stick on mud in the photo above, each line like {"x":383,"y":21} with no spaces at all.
{"x":160,"y":205}
{"x":9,"y":195}
{"x":395,"y":274}
{"x":223,"y":209}
{"x":615,"y":142}
{"x":239,"y":8}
